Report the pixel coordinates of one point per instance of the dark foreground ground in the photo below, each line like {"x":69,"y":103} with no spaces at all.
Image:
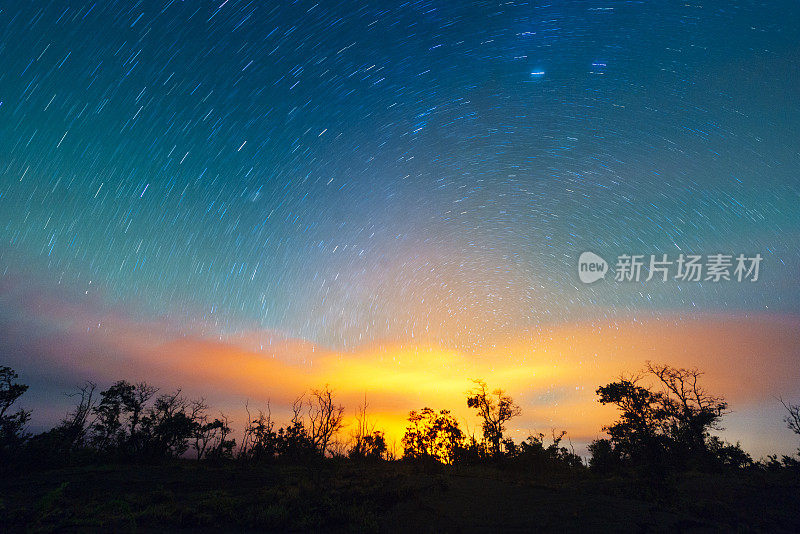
{"x":339,"y":496}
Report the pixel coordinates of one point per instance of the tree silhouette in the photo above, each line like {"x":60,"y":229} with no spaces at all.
{"x":118,"y":417}
{"x":792,"y":421}
{"x":669,"y":426}
{"x":70,"y":437}
{"x":166,"y":428}
{"x":325,"y":418}
{"x":666,"y":424}
{"x":792,"y":418}
{"x":131,"y":422}
{"x":75,"y":426}
{"x":635,"y":436}
{"x":495,"y":409}
{"x":12,"y":425}
{"x":432,"y":436}
{"x":691,"y":411}
{"x":210,"y":437}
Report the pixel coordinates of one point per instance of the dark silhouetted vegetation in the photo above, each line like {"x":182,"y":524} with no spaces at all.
{"x":432,"y":436}
{"x":316,"y":473}
{"x":666,"y":427}
{"x":495,"y":409}
{"x":367,"y":442}
{"x":12,"y":424}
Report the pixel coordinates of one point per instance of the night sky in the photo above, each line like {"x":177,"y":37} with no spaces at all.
{"x":361,"y":174}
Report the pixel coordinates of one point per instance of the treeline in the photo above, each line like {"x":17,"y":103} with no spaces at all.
{"x":666,"y":422}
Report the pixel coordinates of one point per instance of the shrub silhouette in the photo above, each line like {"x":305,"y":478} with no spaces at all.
{"x":603,"y":456}
{"x":295,"y":441}
{"x":367,"y":442}
{"x":370,"y":447}
{"x":259,"y":441}
{"x":534,"y":455}
{"x":316,"y":419}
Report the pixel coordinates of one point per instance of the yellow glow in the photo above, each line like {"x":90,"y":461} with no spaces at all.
{"x":553,"y":373}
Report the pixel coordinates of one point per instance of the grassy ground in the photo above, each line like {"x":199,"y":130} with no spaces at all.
{"x":340,"y":496}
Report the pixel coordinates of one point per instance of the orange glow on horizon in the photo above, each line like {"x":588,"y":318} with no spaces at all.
{"x":552,"y":373}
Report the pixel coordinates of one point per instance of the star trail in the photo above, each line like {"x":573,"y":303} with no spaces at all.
{"x":417,"y":173}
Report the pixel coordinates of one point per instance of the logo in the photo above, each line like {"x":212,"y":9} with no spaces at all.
{"x":591,"y":267}
{"x":685,"y":268}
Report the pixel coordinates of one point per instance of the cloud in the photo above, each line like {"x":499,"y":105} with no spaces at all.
{"x":57,"y":341}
